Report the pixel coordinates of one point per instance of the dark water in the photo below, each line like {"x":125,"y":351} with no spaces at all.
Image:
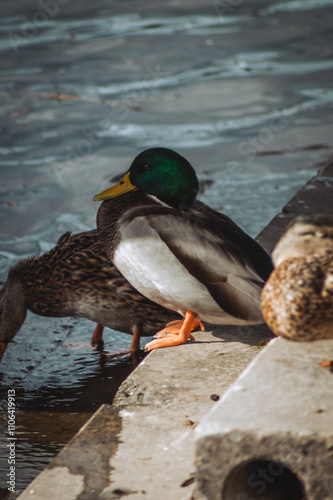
{"x":243,"y":89}
{"x":59,"y":381}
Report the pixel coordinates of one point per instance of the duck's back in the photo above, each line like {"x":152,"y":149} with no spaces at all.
{"x":54,"y":282}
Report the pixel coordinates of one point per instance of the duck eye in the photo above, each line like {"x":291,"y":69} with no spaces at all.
{"x":147,"y":167}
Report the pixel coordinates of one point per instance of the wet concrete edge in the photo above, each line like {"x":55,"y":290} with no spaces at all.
{"x":87,"y":456}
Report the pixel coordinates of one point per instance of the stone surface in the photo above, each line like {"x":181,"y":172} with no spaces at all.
{"x":143,"y":446}
{"x":163,"y":400}
{"x":56,"y":483}
{"x":279,"y":410}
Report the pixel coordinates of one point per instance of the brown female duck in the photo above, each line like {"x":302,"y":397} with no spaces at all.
{"x":297,"y":300}
{"x":77,"y":279}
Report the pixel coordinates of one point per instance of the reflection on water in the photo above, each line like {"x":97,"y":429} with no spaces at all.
{"x":242,"y":89}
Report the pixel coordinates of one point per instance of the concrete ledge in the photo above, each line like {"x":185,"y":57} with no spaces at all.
{"x":277,"y":415}
{"x":143,"y":446}
{"x":162,"y":401}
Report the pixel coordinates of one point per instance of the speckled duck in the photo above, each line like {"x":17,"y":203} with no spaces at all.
{"x":297,"y":300}
{"x":77,"y":279}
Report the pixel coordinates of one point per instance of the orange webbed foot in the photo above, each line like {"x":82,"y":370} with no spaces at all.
{"x":174,"y":327}
{"x":327,"y":364}
{"x":176,"y":332}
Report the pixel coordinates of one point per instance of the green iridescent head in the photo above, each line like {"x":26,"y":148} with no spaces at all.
{"x":162,"y":173}
{"x":165,"y":174}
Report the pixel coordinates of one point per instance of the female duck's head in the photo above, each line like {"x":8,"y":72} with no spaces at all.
{"x":305,"y":236}
{"x":161,"y":173}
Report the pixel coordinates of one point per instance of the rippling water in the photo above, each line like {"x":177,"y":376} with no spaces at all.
{"x":243,"y":91}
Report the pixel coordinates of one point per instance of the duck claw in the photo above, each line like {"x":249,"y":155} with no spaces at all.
{"x":169,"y":341}
{"x":174,"y":327}
{"x":175,"y":333}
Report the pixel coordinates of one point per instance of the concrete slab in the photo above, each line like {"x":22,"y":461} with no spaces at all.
{"x":145,"y":441}
{"x":162,"y":402}
{"x":277,"y":415}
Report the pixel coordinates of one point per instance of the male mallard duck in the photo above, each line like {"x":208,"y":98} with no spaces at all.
{"x":297,"y":300}
{"x":77,"y":279}
{"x":177,"y":251}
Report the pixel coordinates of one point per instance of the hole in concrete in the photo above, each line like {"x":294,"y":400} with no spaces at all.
{"x":263,"y":480}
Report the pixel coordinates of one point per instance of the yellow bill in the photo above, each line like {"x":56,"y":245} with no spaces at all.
{"x":123,"y":186}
